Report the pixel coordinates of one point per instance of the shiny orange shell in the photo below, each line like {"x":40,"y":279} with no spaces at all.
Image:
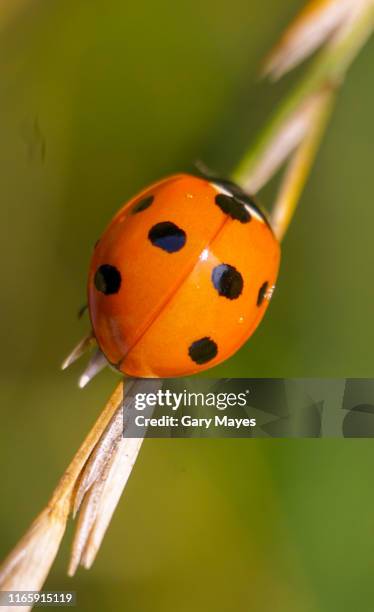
{"x":181,"y":277}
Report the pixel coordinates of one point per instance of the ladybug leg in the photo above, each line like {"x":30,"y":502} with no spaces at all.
{"x":82,"y":310}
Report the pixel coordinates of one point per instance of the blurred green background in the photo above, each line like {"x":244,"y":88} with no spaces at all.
{"x":97,"y":100}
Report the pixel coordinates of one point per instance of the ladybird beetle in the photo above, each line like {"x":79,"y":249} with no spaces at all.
{"x":181,"y":277}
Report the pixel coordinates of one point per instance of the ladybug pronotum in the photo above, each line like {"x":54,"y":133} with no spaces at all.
{"x":181,"y":277}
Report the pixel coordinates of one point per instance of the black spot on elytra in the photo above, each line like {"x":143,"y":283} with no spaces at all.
{"x":142,"y":204}
{"x":167,"y":236}
{"x":262,"y":293}
{"x":228,"y":281}
{"x":203,"y":350}
{"x":107,"y":279}
{"x":233,"y":207}
{"x":241,"y":196}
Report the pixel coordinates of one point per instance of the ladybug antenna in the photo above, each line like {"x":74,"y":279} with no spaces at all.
{"x":204,"y":170}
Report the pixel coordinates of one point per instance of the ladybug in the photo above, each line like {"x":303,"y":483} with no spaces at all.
{"x":181,"y":277}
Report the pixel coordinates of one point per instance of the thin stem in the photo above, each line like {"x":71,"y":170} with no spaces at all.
{"x":65,"y":488}
{"x":298,"y":169}
{"x":327,"y":71}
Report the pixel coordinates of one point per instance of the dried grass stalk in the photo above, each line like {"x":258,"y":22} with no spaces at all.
{"x":27,"y":566}
{"x":320,"y":21}
{"x":92,"y":485}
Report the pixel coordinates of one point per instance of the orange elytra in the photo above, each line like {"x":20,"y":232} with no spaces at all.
{"x":181,"y":277}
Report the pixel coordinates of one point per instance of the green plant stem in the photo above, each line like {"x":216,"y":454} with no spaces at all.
{"x":298,"y":168}
{"x":327,"y":70}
